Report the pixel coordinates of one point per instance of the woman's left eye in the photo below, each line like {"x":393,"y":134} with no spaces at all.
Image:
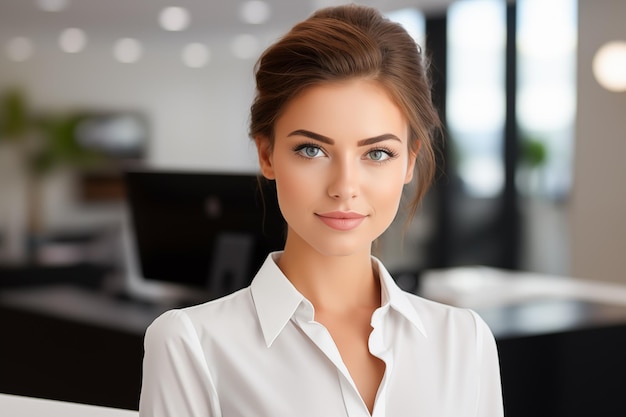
{"x":378,"y":155}
{"x":309,"y":151}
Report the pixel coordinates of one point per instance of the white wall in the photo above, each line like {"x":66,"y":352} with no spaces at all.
{"x":598,"y":203}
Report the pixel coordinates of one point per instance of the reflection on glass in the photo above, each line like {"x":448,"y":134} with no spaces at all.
{"x":476,"y":93}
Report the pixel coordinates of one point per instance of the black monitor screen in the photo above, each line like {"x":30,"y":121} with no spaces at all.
{"x":202,"y":229}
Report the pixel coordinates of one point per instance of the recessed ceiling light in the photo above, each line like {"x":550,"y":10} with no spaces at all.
{"x":609,"y":66}
{"x":174,"y":18}
{"x":72,"y":40}
{"x":127,"y":50}
{"x":245,"y":46}
{"x":52,"y":5}
{"x":254,"y":12}
{"x":196,"y":55}
{"x":19,"y":49}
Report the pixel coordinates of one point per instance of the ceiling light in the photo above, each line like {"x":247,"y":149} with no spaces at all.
{"x":174,"y":18}
{"x":19,"y":49}
{"x":72,"y":40}
{"x":245,"y":46}
{"x":609,"y":66}
{"x":196,"y":55}
{"x":52,"y":5}
{"x":127,"y":50}
{"x":254,"y":12}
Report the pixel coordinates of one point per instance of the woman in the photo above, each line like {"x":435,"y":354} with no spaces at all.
{"x":342,"y":120}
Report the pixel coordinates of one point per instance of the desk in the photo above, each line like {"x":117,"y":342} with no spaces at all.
{"x":516,"y":304}
{"x":561,"y":341}
{"x":560,"y":355}
{"x":18,"y":406}
{"x":72,"y":344}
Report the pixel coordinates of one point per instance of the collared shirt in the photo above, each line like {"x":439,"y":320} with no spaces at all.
{"x":260,"y":352}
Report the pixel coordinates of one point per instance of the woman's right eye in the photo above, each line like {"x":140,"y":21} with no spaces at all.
{"x":309,"y":151}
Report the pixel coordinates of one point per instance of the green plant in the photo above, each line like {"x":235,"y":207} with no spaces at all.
{"x":14,"y":118}
{"x":533,"y":152}
{"x":48,"y":140}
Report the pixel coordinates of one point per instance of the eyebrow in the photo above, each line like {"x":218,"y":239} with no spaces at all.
{"x":326,"y":139}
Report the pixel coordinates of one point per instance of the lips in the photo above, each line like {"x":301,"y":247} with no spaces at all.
{"x":340,"y":220}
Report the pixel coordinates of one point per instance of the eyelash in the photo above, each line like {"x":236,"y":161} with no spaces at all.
{"x":391,"y":154}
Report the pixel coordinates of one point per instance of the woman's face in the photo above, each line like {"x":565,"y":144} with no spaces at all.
{"x":340,"y":160}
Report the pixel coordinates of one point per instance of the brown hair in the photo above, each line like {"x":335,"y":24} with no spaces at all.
{"x":344,"y":42}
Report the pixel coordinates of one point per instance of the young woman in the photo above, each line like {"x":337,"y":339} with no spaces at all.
{"x":342,"y":120}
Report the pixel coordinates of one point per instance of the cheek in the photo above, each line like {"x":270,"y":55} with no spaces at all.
{"x":386,"y":189}
{"x":292,"y":187}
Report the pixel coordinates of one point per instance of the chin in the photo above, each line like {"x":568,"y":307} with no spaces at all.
{"x":342,"y":248}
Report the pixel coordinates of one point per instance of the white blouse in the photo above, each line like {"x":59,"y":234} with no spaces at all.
{"x":259,"y":352}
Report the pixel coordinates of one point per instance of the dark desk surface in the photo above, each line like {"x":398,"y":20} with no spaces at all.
{"x":84,"y":306}
{"x":550,"y":315}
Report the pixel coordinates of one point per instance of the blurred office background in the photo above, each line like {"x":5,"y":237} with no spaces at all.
{"x":531,"y":173}
{"x":531,"y":178}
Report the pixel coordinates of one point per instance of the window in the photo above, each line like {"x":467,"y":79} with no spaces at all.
{"x":476,"y":94}
{"x":546,"y":98}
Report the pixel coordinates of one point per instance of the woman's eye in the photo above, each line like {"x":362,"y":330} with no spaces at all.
{"x":310,"y":151}
{"x":378,"y":155}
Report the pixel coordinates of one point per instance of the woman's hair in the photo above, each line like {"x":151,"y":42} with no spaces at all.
{"x":342,"y":43}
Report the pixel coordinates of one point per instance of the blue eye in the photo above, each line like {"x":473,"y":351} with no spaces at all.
{"x":309,"y":151}
{"x":378,"y":155}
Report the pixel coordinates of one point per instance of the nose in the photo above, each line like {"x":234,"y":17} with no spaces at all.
{"x":344,"y":181}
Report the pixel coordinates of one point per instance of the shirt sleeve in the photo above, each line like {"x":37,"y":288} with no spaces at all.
{"x":176,"y":378}
{"x":489,"y":387}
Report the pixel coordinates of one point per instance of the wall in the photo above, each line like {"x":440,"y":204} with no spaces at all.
{"x":193,"y":111}
{"x":198,"y":117}
{"x":598,"y":203}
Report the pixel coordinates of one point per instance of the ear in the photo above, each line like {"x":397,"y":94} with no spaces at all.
{"x":410,"y":169}
{"x":264,"y":151}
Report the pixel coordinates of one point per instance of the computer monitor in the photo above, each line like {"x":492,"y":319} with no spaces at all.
{"x":207,"y":231}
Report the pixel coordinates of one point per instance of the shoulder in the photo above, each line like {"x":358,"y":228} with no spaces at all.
{"x":447,"y":320}
{"x":215,"y":317}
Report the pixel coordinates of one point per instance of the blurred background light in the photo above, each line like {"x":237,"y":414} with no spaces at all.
{"x":72,"y":40}
{"x":245,"y":46}
{"x":254,"y":12}
{"x":19,"y":49}
{"x":609,"y":66}
{"x":52,"y":5}
{"x":476,"y":108}
{"x":413,"y":21}
{"x":196,"y":55}
{"x":480,"y":18}
{"x":546,"y":28}
{"x":482,"y":175}
{"x":127,"y":50}
{"x":550,"y":107}
{"x":174,"y":18}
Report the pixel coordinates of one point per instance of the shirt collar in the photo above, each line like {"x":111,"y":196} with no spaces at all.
{"x":396,"y":298}
{"x":276,"y":299}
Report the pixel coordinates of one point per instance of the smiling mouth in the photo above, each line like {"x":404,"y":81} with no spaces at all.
{"x":341,"y":221}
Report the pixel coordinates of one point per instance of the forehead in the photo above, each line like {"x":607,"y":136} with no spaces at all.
{"x":356,"y":109}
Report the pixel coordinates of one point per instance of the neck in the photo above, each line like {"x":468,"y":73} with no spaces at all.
{"x":337,"y":283}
